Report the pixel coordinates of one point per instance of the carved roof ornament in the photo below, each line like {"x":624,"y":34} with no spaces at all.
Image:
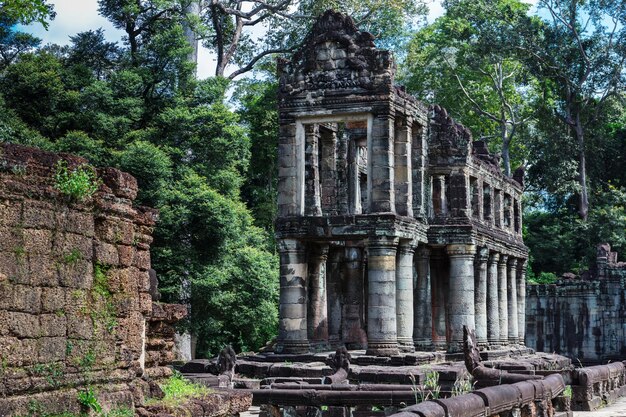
{"x":336,"y":55}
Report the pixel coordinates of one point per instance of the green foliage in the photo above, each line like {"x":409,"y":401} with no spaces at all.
{"x":567,"y":393}
{"x":543,"y":278}
{"x":150,"y":165}
{"x":258,"y":110}
{"x":27,"y":11}
{"x":72,"y":257}
{"x":80,"y":143}
{"x":462,"y":386}
{"x":102,"y":309}
{"x":179,"y":390}
{"x":561,"y":242}
{"x":79,"y":183}
{"x":431,"y":383}
{"x":53,"y":373}
{"x":88,"y":399}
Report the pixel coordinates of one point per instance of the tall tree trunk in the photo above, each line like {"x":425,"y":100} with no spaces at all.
{"x":583,"y":201}
{"x":192,"y":8}
{"x":506,"y":140}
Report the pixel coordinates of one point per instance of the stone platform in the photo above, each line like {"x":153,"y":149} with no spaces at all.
{"x":266,"y":369}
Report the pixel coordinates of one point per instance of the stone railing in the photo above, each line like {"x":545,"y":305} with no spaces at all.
{"x":529,"y":398}
{"x":596,"y":386}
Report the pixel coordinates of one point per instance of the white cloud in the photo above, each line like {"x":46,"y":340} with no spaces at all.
{"x":73,"y":16}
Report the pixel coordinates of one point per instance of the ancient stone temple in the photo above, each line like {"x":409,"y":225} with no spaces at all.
{"x":395,"y":229}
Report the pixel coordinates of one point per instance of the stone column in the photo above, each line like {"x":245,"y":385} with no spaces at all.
{"x":403,"y":173}
{"x":292,"y":331}
{"x":502,"y":300}
{"x":439,"y":276}
{"x":480,"y":296}
{"x":513,"y":333}
{"x":461,"y":301}
{"x":521,"y":300}
{"x":423,"y":321}
{"x":289,"y":168}
{"x":312,"y":195}
{"x":440,"y":203}
{"x":382,"y":336}
{"x":353,"y":334}
{"x":493,"y":313}
{"x":334,"y":278}
{"x":380,"y":176}
{"x":318,"y":306}
{"x":328,"y":171}
{"x":404,"y":295}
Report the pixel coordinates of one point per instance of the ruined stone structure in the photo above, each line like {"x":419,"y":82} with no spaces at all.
{"x":76,"y":299}
{"x":582,"y":317}
{"x":395,"y":229}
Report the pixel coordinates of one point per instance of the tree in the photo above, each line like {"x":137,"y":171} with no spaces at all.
{"x":226,"y":27}
{"x":581,"y":49}
{"x":91,"y":50}
{"x":13,"y":42}
{"x":470,"y":52}
{"x":140,"y":19}
{"x":27,"y":11}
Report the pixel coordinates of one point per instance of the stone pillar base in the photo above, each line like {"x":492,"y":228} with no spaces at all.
{"x":334,"y":342}
{"x":319,"y":346}
{"x":424,"y":345}
{"x":440,"y":345}
{"x":406,"y":345}
{"x":382,"y":349}
{"x":295,"y":347}
{"x":455,"y":347}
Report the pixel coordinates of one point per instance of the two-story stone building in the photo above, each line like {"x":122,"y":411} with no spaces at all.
{"x":395,"y":229}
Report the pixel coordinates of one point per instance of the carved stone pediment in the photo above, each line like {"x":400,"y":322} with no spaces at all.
{"x":337,"y":55}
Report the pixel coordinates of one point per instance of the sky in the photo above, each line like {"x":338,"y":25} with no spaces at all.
{"x":74,"y":16}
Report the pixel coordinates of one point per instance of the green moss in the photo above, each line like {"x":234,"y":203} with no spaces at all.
{"x":72,"y":257}
{"x":105,"y":315}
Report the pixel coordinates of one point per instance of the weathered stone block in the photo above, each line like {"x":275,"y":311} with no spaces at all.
{"x":126,"y":255}
{"x":106,"y":253}
{"x":51,"y":349}
{"x":74,"y":221}
{"x":11,"y":239}
{"x":53,"y":325}
{"x":23,"y":324}
{"x":43,"y":271}
{"x":53,"y":300}
{"x":76,"y":275}
{"x":70,"y":246}
{"x":114,"y":230}
{"x":37,"y":241}
{"x":142,"y":259}
{"x":24,"y":298}
{"x":38,"y":215}
{"x":10,"y":212}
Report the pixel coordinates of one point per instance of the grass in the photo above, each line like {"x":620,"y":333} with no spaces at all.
{"x":178,"y":390}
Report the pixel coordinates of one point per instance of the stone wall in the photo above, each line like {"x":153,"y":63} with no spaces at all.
{"x":582,"y":317}
{"x":76,"y":309}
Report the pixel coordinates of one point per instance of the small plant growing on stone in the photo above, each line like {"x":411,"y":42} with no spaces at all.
{"x":88,"y":399}
{"x":567,"y":392}
{"x":72,"y":257}
{"x":462,"y":386}
{"x":79,"y":183}
{"x":53,"y":373}
{"x":431,"y":383}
